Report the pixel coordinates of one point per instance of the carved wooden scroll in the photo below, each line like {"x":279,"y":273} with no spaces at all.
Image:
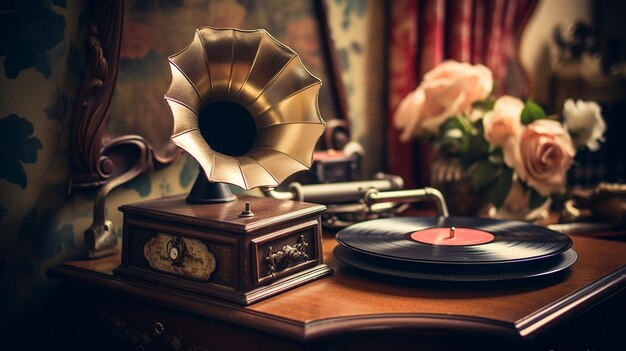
{"x":99,"y":159}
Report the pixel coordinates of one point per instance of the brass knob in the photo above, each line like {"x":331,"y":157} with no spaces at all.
{"x":246,"y":211}
{"x":159,"y":328}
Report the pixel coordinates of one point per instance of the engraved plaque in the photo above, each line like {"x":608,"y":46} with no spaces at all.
{"x":179,"y":255}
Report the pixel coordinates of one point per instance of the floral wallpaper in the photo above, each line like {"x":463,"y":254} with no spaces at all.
{"x":41,"y":68}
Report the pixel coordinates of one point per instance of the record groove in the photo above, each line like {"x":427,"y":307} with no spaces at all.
{"x":513,"y":241}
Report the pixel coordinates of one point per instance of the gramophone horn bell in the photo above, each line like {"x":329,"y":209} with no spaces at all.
{"x":244,"y":106}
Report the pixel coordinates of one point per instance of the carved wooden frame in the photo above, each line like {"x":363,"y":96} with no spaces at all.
{"x":98,"y":159}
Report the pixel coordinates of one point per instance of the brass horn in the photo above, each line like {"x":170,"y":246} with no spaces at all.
{"x":245,"y":107}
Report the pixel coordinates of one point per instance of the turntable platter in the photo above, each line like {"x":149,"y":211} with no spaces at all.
{"x":454,"y":249}
{"x":457,"y":273}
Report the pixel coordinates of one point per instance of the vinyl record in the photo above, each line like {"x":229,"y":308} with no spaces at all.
{"x":477,"y":241}
{"x":457,"y":273}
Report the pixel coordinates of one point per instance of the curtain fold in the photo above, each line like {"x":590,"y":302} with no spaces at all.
{"x":424,"y":33}
{"x":403,"y":75}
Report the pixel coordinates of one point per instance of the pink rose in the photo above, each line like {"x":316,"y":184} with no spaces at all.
{"x":447,"y":90}
{"x":541,"y":155}
{"x":407,"y":114}
{"x":504,"y":120}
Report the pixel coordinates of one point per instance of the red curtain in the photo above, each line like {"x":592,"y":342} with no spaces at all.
{"x":425,"y":32}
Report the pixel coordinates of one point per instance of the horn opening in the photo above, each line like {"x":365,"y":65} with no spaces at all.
{"x":228,"y":128}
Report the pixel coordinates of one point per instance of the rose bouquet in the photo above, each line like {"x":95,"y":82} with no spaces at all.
{"x":514,"y":153}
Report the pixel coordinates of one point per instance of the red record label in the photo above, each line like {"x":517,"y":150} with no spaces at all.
{"x":452,"y":236}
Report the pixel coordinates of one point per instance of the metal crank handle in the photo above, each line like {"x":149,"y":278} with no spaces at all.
{"x":373,"y":196}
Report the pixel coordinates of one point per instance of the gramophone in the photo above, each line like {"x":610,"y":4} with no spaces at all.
{"x":245,"y":107}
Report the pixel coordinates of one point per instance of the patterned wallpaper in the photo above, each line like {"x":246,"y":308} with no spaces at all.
{"x":39,"y":76}
{"x":41,"y":67}
{"x":358,"y":34}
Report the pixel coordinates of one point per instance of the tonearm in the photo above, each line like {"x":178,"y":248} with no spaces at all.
{"x":356,"y":201}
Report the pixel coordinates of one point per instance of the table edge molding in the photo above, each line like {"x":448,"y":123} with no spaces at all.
{"x":569,"y":305}
{"x":329,"y":327}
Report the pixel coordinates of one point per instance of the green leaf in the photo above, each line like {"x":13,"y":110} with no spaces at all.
{"x":483,"y":173}
{"x":485,"y":105}
{"x":496,"y":156}
{"x":454,"y":122}
{"x":536,"y":199}
{"x":477,"y":145}
{"x":464,"y":124}
{"x":452,"y":136}
{"x":500,"y":190}
{"x":532,"y":112}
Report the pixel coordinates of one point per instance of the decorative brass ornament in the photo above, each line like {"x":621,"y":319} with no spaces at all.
{"x":288,"y":256}
{"x":191,"y":259}
{"x":244,"y":107}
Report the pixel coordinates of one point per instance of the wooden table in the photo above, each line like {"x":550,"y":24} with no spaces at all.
{"x":583,"y":308}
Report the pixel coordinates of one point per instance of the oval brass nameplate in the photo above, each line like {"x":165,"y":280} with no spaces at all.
{"x":179,"y":255}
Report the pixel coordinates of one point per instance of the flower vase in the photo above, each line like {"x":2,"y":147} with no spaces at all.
{"x":516,"y":206}
{"x":450,"y":177}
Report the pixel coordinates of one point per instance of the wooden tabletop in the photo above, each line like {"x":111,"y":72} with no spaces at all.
{"x":352,"y":300}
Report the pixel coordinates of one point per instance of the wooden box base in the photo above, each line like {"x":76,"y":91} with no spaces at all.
{"x":212,"y":250}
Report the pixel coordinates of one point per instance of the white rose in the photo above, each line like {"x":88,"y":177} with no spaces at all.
{"x":584,"y":123}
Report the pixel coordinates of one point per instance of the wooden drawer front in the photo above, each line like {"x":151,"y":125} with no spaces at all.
{"x":285,"y":252}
